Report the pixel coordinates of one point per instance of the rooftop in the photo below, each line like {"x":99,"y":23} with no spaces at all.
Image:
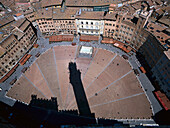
{"x":21,"y":24}
{"x":18,"y":14}
{"x":110,"y":16}
{"x":5,"y":19}
{"x":44,"y":13}
{"x":158,"y":31}
{"x":67,"y":14}
{"x":48,"y":3}
{"x":90,"y":15}
{"x":90,"y":2}
{"x":128,"y":23}
{"x":8,"y":3}
{"x":5,"y":31}
{"x":10,"y":28}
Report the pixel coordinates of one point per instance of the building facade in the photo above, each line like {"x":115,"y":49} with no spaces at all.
{"x":56,"y":21}
{"x":155,"y":59}
{"x":161,"y":72}
{"x":124,"y":28}
{"x":90,"y":23}
{"x":16,"y":44}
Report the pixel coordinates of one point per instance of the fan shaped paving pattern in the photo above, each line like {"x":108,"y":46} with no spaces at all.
{"x":111,"y":86}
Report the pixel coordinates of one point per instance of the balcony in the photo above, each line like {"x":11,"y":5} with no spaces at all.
{"x":90,"y":29}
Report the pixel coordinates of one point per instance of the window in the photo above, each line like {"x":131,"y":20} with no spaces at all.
{"x":3,"y":70}
{"x":158,"y":31}
{"x":86,"y":22}
{"x":91,"y":23}
{"x":81,"y":22}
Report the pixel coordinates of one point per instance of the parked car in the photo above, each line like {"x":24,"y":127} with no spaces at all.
{"x":136,"y":72}
{"x":24,"y":69}
{"x":38,"y":54}
{"x":13,"y":81}
{"x":125,"y":57}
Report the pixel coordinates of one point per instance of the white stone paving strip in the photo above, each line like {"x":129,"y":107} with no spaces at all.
{"x":44,"y":78}
{"x":76,"y":53}
{"x":102,"y":71}
{"x":57,"y":75}
{"x":143,"y":80}
{"x":99,"y":75}
{"x":117,"y":100}
{"x":70,"y":85}
{"x":112,"y":83}
{"x":68,"y":91}
{"x":90,"y":63}
{"x":86,"y":72}
{"x":35,"y":86}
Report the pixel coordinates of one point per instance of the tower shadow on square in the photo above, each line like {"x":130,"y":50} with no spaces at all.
{"x":81,"y":99}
